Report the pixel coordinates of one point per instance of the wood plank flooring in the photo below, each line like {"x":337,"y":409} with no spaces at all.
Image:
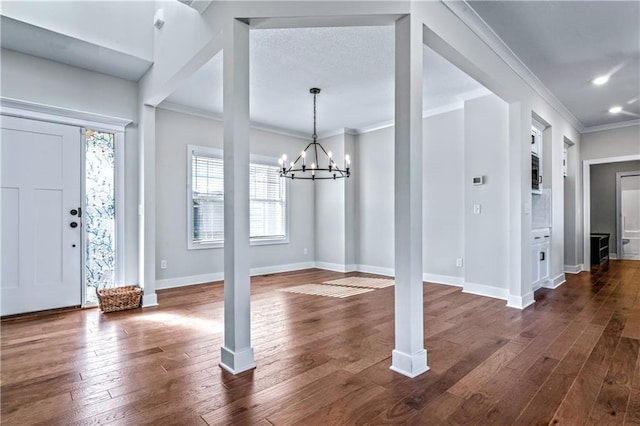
{"x":572,"y":358}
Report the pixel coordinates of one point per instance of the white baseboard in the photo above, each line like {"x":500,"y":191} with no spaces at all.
{"x":388,"y":272}
{"x":219,"y":276}
{"x":520,"y":302}
{"x":336,"y":267}
{"x":149,"y":300}
{"x":554,"y":283}
{"x":485,"y":290}
{"x":573,"y":269}
{"x":281,"y":268}
{"x":443,"y":279}
{"x":189,"y":280}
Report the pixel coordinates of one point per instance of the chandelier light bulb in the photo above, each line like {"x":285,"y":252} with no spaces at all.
{"x":284,"y":157}
{"x":292,"y":164}
{"x":280,"y":161}
{"x":599,"y":81}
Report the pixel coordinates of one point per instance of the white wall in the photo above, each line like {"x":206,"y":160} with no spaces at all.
{"x":125,"y":26}
{"x":41,"y":81}
{"x":486,"y":153}
{"x":174,"y":131}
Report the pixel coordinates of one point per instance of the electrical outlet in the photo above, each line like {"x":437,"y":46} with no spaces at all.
{"x":305,"y":251}
{"x":459,"y":262}
{"x":163,"y":264}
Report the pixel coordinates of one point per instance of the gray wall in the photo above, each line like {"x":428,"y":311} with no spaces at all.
{"x":443,"y":201}
{"x":443,"y":196}
{"x":375,"y":199}
{"x":330,"y":210}
{"x":174,"y":131}
{"x":610,"y":143}
{"x":32,"y":79}
{"x":603,"y":198}
{"x":572,"y":227}
{"x":486,"y":133}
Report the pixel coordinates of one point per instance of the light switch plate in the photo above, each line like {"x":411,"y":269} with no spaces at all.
{"x":477,"y":209}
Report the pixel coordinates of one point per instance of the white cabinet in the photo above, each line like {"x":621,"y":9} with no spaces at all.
{"x":540,"y":249}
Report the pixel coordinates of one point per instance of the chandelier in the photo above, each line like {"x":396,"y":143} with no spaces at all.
{"x":314,"y":162}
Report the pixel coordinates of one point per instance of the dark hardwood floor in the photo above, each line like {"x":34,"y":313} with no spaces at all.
{"x":572,"y":358}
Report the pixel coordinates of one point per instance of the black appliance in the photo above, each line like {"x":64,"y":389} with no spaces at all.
{"x":536,"y":177}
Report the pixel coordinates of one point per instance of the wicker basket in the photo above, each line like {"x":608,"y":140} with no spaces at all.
{"x":119,"y":298}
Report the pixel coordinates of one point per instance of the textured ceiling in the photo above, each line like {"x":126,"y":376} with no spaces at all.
{"x":566,"y":44}
{"x":354,"y":67}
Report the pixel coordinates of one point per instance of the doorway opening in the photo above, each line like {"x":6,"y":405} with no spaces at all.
{"x":628,"y":214}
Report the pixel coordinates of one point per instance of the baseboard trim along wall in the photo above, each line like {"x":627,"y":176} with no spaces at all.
{"x":219,"y":276}
{"x":555,"y":283}
{"x":613,"y":256}
{"x":388,"y":272}
{"x":485,"y":290}
{"x":572,"y":269}
{"x":336,"y":267}
{"x":443,"y":279}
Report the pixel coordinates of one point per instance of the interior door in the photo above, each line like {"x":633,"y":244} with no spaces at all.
{"x":41,"y":230}
{"x":630,"y":217}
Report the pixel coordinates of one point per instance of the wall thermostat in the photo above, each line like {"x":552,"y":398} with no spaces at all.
{"x":478,"y":180}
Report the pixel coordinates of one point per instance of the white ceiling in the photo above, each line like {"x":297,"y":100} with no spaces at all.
{"x":566,"y":44}
{"x":37,"y":41}
{"x":354,"y":67}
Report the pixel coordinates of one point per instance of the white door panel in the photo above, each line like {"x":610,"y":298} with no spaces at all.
{"x":41,"y":252}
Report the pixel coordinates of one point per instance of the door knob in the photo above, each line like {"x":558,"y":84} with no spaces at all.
{"x":73,"y":224}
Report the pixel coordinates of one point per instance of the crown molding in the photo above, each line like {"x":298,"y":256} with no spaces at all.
{"x":471,"y":19}
{"x":612,"y":126}
{"x":170,"y":106}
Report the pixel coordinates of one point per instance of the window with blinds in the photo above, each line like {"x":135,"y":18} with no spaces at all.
{"x":267,"y":192}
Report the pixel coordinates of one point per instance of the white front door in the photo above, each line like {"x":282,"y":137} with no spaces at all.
{"x":40,"y":245}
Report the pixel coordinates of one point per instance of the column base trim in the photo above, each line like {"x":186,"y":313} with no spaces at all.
{"x":410,"y":365}
{"x":520,"y":302}
{"x":237,"y":362}
{"x":149,"y":300}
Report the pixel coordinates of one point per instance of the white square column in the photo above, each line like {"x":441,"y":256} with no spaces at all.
{"x":147,"y":205}
{"x":237,"y":353}
{"x":409,"y":356}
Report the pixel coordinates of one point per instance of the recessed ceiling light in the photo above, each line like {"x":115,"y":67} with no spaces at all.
{"x":615,"y":109}
{"x":598,"y":81}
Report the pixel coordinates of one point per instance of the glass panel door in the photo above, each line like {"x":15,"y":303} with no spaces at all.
{"x":100,"y":213}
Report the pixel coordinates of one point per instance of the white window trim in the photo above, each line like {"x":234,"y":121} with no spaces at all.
{"x":255,"y":159}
